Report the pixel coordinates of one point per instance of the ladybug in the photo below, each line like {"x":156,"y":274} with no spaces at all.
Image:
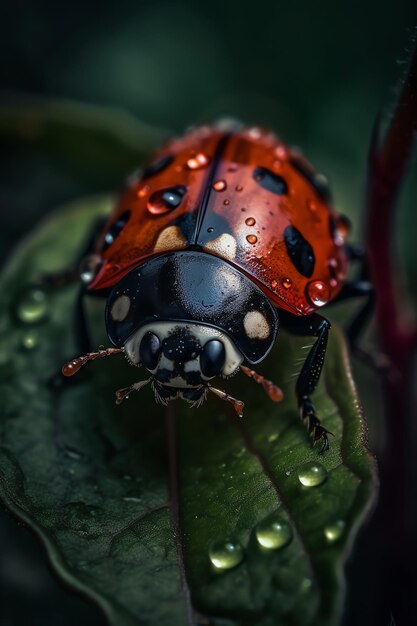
{"x":226,"y":235}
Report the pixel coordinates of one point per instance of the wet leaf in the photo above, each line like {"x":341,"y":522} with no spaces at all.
{"x":129,"y":500}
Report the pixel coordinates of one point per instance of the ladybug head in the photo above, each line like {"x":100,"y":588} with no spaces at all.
{"x":182,"y":356}
{"x":187,"y":317}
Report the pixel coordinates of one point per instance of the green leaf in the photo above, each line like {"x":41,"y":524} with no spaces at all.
{"x":96,"y":142}
{"x":129,"y":499}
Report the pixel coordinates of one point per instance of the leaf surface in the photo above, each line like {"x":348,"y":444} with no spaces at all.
{"x":129,"y":499}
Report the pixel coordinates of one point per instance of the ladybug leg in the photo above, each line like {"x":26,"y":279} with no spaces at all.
{"x":123,"y":394}
{"x":356,"y":326}
{"x":314,"y":326}
{"x":238,"y":405}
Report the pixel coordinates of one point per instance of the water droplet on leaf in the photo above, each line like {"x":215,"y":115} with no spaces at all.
{"x":334,"y":531}
{"x":286,"y":283}
{"x":273,"y":533}
{"x":250,"y":221}
{"x":32,"y":306}
{"x":226,"y":554}
{"x":73,"y":454}
{"x":29,"y":341}
{"x":252,"y":239}
{"x":312,"y":474}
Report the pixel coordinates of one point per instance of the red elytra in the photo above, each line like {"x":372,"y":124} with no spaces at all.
{"x":233,"y":195}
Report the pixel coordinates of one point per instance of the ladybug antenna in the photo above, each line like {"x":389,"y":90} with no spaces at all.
{"x":72,"y":367}
{"x":123,"y":394}
{"x":238,"y":405}
{"x":274,"y":392}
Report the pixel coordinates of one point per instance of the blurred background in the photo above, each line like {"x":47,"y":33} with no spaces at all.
{"x":317,"y":73}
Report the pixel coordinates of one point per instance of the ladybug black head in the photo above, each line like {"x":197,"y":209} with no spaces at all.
{"x":188,"y":317}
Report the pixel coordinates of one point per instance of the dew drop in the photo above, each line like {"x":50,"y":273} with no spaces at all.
{"x":334,"y":531}
{"x":166,"y":200}
{"x":273,"y":533}
{"x":89,"y":267}
{"x":135,"y":499}
{"x":312,"y":474}
{"x":255,"y":133}
{"x":210,"y":229}
{"x":250,"y":221}
{"x":286,"y":283}
{"x":343,"y":226}
{"x":29,"y":341}
{"x":318,"y":292}
{"x":73,"y":454}
{"x":226,"y":554}
{"x":143,"y":191}
{"x":252,"y":239}
{"x":306,"y":585}
{"x":32,"y":306}
{"x":274,"y":284}
{"x":239,"y":188}
{"x":220,"y":185}
{"x":281,"y":152}
{"x":200,"y":160}
{"x":226,"y":202}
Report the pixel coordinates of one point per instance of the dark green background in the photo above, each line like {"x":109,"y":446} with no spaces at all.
{"x":316,"y":72}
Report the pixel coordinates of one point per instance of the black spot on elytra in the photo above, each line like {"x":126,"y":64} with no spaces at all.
{"x":270,"y":181}
{"x":115,"y":229}
{"x":318,"y":181}
{"x":157,"y":166}
{"x":299,"y":250}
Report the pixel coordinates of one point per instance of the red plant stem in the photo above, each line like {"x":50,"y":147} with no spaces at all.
{"x":388,"y":162}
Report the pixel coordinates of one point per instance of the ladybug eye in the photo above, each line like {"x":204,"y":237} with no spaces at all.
{"x":212,"y":358}
{"x":270,"y":181}
{"x":115,"y":230}
{"x":150,"y":350}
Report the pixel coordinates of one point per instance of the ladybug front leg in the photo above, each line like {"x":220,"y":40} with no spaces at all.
{"x":315,"y":326}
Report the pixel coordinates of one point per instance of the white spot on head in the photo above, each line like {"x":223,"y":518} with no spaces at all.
{"x":224,"y":245}
{"x":256,"y":325}
{"x":170,"y":238}
{"x":120,"y":308}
